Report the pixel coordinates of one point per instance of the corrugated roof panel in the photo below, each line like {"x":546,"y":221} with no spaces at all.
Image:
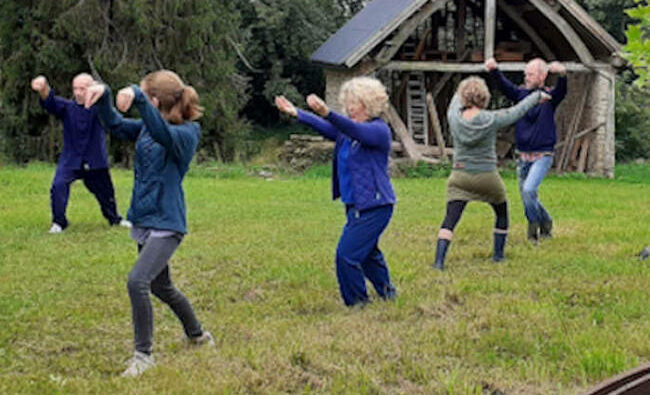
{"x":369,"y":24}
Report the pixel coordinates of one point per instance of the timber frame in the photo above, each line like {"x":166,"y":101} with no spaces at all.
{"x":435,"y":42}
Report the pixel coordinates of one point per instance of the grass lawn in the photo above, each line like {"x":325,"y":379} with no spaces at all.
{"x":258,"y":267}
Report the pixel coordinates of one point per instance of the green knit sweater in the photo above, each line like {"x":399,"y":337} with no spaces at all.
{"x":475,"y":138}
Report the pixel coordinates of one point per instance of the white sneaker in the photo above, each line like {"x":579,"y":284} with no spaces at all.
{"x":126,"y":224}
{"x":56,"y":228}
{"x":138,"y":364}
{"x":204,"y":338}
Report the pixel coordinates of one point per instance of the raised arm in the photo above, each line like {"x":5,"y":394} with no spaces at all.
{"x":179,"y":140}
{"x":510,"y":90}
{"x":123,"y":128}
{"x":510,"y":115}
{"x":51,"y":103}
{"x":558,"y":93}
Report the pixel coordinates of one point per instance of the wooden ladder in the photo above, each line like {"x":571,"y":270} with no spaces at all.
{"x":417,"y":108}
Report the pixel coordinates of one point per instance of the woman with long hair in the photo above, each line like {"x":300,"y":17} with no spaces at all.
{"x":165,"y":138}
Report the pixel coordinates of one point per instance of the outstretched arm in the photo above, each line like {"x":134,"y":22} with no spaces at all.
{"x":100,"y":96}
{"x":367,"y":133}
{"x":510,"y":115}
{"x":322,"y":126}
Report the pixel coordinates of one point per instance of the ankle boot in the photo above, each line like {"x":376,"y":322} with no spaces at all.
{"x":533,"y":232}
{"x":545,"y":229}
{"x":441,"y":251}
{"x":499,"y":246}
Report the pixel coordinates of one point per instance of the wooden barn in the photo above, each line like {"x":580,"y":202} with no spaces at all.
{"x":421,"y":49}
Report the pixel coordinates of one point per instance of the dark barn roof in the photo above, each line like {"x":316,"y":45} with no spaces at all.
{"x":378,"y":19}
{"x":367,"y":28}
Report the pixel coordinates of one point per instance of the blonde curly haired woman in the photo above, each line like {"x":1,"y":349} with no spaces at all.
{"x":360,"y":178}
{"x":474,"y":175}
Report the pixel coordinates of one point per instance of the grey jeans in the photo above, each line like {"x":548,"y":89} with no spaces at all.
{"x":151,"y":274}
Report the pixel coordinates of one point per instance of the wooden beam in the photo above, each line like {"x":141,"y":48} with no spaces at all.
{"x":567,"y":31}
{"x":584,"y":149}
{"x":490,"y":28}
{"x":455,"y":67}
{"x":460,"y":26}
{"x":530,"y":32}
{"x":581,"y":134}
{"x":393,"y":45}
{"x":564,"y":158}
{"x":586,"y":20}
{"x":402,"y":134}
{"x":435,"y":123}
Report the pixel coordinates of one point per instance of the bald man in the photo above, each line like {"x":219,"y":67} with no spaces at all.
{"x":84,"y":152}
{"x":535,"y":137}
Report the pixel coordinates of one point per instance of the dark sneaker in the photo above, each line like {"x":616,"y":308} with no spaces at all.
{"x":533,"y":232}
{"x":546,"y":230}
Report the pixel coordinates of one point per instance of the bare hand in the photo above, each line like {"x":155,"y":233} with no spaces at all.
{"x":491,"y":64}
{"x":556,"y":68}
{"x":124,"y":99}
{"x":318,"y":105}
{"x":39,"y":83}
{"x":285,"y":106}
{"x":94,"y":93}
{"x":544,"y":97}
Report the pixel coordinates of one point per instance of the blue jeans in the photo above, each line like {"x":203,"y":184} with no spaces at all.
{"x":357,"y":255}
{"x":530,"y":176}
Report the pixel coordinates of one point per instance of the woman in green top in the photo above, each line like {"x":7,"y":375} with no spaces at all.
{"x":474,"y":175}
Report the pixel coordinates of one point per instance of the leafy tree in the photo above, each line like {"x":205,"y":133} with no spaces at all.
{"x":638,"y":43}
{"x":119,"y":41}
{"x":280,"y":36}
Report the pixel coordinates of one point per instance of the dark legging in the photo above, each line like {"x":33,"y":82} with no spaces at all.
{"x":455,"y":209}
{"x":151,"y":274}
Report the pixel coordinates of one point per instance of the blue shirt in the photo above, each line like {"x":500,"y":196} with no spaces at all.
{"x":345,"y":181}
{"x":367,"y":158}
{"x":84,"y":140}
{"x":535,"y":131}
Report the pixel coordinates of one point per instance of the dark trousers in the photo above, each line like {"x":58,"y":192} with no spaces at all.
{"x":151,"y":274}
{"x":98,"y":182}
{"x":455,"y":209}
{"x":358,"y":256}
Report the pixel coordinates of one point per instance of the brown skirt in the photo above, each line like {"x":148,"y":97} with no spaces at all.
{"x":485,"y":186}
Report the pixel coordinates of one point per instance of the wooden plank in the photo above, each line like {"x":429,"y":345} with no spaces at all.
{"x":530,"y":32}
{"x":460,"y":26}
{"x":457,"y":67}
{"x":577,"y":117}
{"x":490,"y":28}
{"x":584,"y":149}
{"x":581,"y":134}
{"x":435,"y":123}
{"x":402,"y":134}
{"x":567,"y":31}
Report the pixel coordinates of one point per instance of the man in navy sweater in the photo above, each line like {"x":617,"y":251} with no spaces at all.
{"x":535,"y":136}
{"x":84,"y":152}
